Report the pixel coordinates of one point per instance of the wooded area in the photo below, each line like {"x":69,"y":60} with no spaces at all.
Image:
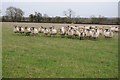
{"x":14,"y":14}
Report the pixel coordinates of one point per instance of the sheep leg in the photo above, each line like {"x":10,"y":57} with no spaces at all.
{"x":62,"y":35}
{"x":89,"y":37}
{"x":94,"y":38}
{"x":80,"y":38}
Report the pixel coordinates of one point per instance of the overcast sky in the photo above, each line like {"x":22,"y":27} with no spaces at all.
{"x":82,"y":9}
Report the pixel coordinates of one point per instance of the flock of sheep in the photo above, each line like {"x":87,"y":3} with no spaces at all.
{"x":69,"y":31}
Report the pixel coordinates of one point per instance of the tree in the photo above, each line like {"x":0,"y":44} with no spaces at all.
{"x":38,"y":17}
{"x":94,"y":20}
{"x":101,"y":19}
{"x":45,"y":18}
{"x":98,"y":20}
{"x":69,"y":13}
{"x":14,"y":14}
{"x":31,"y":18}
{"x":19,"y":14}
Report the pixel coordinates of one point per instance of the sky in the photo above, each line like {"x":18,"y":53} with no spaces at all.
{"x":82,"y":9}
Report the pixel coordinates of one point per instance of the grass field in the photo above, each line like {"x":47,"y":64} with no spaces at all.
{"x":44,"y":57}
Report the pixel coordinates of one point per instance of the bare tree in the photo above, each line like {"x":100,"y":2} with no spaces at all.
{"x":69,"y":13}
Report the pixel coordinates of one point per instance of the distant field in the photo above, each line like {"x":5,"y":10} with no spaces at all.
{"x":44,"y":57}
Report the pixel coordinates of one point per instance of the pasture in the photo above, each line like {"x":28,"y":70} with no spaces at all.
{"x":52,"y":57}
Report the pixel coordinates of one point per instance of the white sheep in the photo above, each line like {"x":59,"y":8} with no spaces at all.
{"x":16,"y":29}
{"x":89,"y":33}
{"x":21,"y":30}
{"x":114,"y":29}
{"x":76,"y":33}
{"x":95,"y":33}
{"x":62,"y":30}
{"x":27,"y":30}
{"x":101,"y":31}
{"x":70,"y":31}
{"x":108,"y":33}
{"x":41,"y":29}
{"x":46,"y":31}
{"x":52,"y":31}
{"x":82,"y":33}
{"x":34,"y":31}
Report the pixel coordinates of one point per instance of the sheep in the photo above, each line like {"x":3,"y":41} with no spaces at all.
{"x":76,"y":27}
{"x":45,"y":31}
{"x":76,"y":33}
{"x":15,"y":29}
{"x":34,"y":31}
{"x":114,"y":29}
{"x":21,"y":29}
{"x":70,"y":32}
{"x":86,"y":27}
{"x":62,"y":31}
{"x":52,"y":31}
{"x":95,"y":33}
{"x":41,"y":29}
{"x":108,"y":33}
{"x":27,"y":31}
{"x":101,"y":31}
{"x":67,"y":29}
{"x":88,"y":34}
{"x":82,"y":34}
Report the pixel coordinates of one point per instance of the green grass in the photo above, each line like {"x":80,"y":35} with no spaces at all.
{"x":43,"y":57}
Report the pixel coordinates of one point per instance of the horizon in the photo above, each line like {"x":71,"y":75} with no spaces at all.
{"x":52,"y":9}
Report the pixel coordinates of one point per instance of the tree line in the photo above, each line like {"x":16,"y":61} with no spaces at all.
{"x":14,"y":14}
